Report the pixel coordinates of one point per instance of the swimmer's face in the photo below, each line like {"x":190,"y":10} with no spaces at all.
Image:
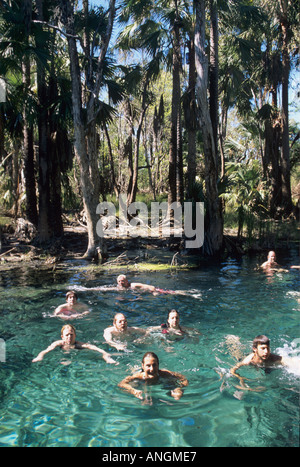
{"x":150,"y":367}
{"x":173,"y":319}
{"x":71,"y":300}
{"x":262,"y":351}
{"x":272,"y":257}
{"x":123,"y":281}
{"x":68,"y":335}
{"x":120,"y":323}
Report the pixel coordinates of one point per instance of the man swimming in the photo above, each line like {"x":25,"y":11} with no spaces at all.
{"x":261,"y":357}
{"x":123,"y":283}
{"x":151,"y":374}
{"x":271,"y":263}
{"x":68,"y":342}
{"x":119,"y":333}
{"x":71,"y":309}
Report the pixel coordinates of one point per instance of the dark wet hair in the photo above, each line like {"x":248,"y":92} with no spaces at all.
{"x":150,"y":354}
{"x":71,"y":292}
{"x":260,"y":340}
{"x":172,"y":311}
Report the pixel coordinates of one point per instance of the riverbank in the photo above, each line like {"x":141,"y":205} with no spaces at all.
{"x":19,"y":245}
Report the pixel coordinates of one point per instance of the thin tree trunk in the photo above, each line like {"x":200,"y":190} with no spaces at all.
{"x":213,"y":220}
{"x":44,"y":187}
{"x":214,"y":72}
{"x":86,"y":149}
{"x":285,"y":149}
{"x":191,"y":119}
{"x":175,"y":154}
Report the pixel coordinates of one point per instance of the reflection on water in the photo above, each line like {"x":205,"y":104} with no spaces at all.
{"x":78,"y":403}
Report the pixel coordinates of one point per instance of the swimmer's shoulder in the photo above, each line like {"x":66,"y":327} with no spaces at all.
{"x":247,"y":360}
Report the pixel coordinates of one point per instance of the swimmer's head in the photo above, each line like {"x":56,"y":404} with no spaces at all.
{"x":260,"y":340}
{"x":261,"y":347}
{"x":120,"y":322}
{"x":271,"y":256}
{"x":71,"y":295}
{"x":173,"y":319}
{"x":123,"y":281}
{"x":68,"y":333}
{"x":150,"y":365}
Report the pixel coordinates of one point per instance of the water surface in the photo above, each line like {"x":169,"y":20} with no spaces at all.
{"x":51,"y":403}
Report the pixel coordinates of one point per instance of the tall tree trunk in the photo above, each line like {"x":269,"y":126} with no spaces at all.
{"x":111,"y":160}
{"x":214,"y":72}
{"x":85,"y":133}
{"x":44,"y":187}
{"x":89,"y":201}
{"x":175,"y":154}
{"x":28,"y":150}
{"x":134,"y":187}
{"x":285,"y":149}
{"x":191,"y":119}
{"x":213,"y":218}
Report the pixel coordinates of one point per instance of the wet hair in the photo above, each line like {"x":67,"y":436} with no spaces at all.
{"x":150,"y":354}
{"x":67,"y":326}
{"x":71,"y":292}
{"x":260,"y":340}
{"x":121,"y":276}
{"x":172,"y":311}
{"x":118,"y":314}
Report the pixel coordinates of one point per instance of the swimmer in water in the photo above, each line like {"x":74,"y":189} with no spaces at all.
{"x":71,"y":309}
{"x":123,"y":283}
{"x":172,"y":326}
{"x":151,"y":374}
{"x":119,"y":333}
{"x":261,"y":357}
{"x":68,"y":342}
{"x":271,"y":263}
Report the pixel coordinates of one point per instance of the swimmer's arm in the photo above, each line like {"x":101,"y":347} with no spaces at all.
{"x":51,"y":347}
{"x":104,"y":354}
{"x":153,"y":329}
{"x":244,"y":362}
{"x":109,"y":339}
{"x":136,"y":330}
{"x":125,"y":384}
{"x":81,"y":307}
{"x":60,"y":308}
{"x":177,"y":393}
{"x":138,"y":285}
{"x":107,"y":334}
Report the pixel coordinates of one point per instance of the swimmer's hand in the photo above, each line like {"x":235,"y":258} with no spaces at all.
{"x":247,"y":388}
{"x":108,"y":359}
{"x":120,"y":346}
{"x":39,"y":358}
{"x":137,"y":393}
{"x":177,"y":393}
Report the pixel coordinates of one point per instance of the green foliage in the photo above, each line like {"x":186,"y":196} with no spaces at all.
{"x":249,"y":69}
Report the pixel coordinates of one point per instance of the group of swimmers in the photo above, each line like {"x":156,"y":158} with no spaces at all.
{"x":119,"y":333}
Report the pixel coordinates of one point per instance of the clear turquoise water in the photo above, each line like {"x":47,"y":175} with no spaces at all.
{"x":79,"y":404}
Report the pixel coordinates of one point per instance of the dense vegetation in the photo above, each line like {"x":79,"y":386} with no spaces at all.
{"x":172,"y":99}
